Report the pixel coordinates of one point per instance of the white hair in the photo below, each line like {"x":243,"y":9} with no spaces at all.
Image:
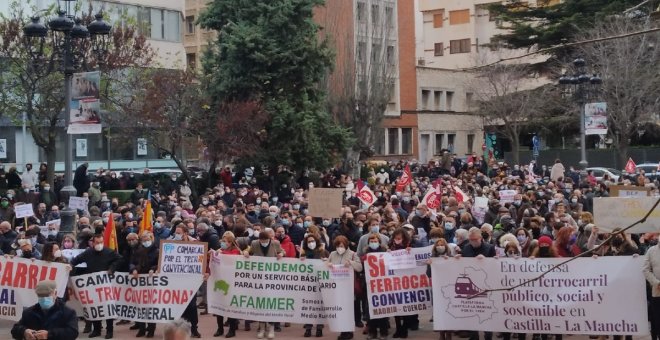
{"x":474,"y":231}
{"x":176,"y":327}
{"x":462,"y":234}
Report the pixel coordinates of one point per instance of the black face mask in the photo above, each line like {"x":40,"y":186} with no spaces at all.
{"x":544,"y":251}
{"x":485,"y":235}
{"x":27,"y":254}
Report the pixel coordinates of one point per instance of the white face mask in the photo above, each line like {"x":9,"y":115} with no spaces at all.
{"x":98,"y":247}
{"x":341,"y":250}
{"x":440,"y":249}
{"x":57,"y":254}
{"x":311,"y":245}
{"x":178,"y":237}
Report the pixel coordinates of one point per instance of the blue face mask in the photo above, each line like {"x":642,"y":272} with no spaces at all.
{"x":299,"y":225}
{"x":374,"y":228}
{"x":374,"y":245}
{"x":132,"y":230}
{"x":224,"y":245}
{"x":307,"y":224}
{"x":157,"y":225}
{"x":46,"y":302}
{"x":286,"y":222}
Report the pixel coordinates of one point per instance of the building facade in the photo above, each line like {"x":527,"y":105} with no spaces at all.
{"x":162,"y":23}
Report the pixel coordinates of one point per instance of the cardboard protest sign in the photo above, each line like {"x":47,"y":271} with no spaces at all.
{"x":580,"y":297}
{"x":393,"y":292}
{"x":181,"y":257}
{"x":306,"y":291}
{"x":23,"y":210}
{"x":145,"y":298}
{"x":325,"y":202}
{"x":629,"y":191}
{"x":620,"y":212}
{"x":19,"y":277}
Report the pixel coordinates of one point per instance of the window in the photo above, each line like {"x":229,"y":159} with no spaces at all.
{"x":157,"y":24}
{"x":392,"y":141}
{"x":459,"y":17}
{"x":438,"y":18}
{"x":425,"y":99}
{"x":360,"y":11}
{"x":469,"y":100}
{"x":191,"y":60}
{"x":406,"y":141}
{"x":361,"y":51}
{"x":190,"y":25}
{"x":470,"y":143}
{"x":375,"y":53}
{"x":450,"y":99}
{"x":438,"y":49}
{"x":375,"y":13}
{"x":391,"y":57}
{"x":172,"y":23}
{"x":437,"y":99}
{"x":459,"y":46}
{"x":144,"y":21}
{"x":450,"y":142}
{"x":439,"y":137}
{"x":389,"y":16}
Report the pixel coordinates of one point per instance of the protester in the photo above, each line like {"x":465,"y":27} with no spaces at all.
{"x":99,"y":258}
{"x":313,"y":249}
{"x":48,"y":319}
{"x":267,"y":247}
{"x":144,"y":260}
{"x":374,"y":325}
{"x":228,"y":246}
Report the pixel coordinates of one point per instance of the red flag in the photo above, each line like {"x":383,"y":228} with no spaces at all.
{"x":631,"y":167}
{"x":365,"y":194}
{"x":404,"y":180}
{"x":110,"y":234}
{"x":459,"y":194}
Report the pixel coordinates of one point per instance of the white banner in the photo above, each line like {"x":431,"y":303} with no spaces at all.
{"x":480,"y":208}
{"x":288,"y":290}
{"x":620,"y":212}
{"x":145,"y":298}
{"x":19,"y":277}
{"x":3,"y":148}
{"x":595,"y":119}
{"x":581,"y":297}
{"x":393,"y":292}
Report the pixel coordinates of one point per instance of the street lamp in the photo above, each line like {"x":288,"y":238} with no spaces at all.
{"x":70,"y":42}
{"x":583,"y":88}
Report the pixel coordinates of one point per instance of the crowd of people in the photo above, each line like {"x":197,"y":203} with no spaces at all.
{"x":550,"y":215}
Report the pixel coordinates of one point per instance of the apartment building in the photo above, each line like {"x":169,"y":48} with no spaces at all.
{"x":452,"y":36}
{"x":374,"y":42}
{"x":195,"y":38}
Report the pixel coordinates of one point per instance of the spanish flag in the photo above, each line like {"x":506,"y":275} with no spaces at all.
{"x":110,"y":234}
{"x":145,"y":224}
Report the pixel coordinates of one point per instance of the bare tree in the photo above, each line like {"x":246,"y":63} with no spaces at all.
{"x":362,"y":85}
{"x":35,"y":88}
{"x":509,"y":96}
{"x":629,"y":69}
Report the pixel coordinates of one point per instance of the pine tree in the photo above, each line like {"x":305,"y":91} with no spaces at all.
{"x":269,"y":51}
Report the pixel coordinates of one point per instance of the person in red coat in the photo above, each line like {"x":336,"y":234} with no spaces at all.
{"x":225,"y":176}
{"x":285,"y":242}
{"x":228,"y":246}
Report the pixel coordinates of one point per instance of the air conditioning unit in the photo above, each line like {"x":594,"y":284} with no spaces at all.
{"x":421,"y":62}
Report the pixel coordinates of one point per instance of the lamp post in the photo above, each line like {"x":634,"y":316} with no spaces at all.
{"x":582,"y":88}
{"x":70,"y":47}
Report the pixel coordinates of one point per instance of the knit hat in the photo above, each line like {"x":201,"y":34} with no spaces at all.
{"x":545,"y":241}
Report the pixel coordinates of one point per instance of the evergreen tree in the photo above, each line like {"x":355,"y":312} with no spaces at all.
{"x":546,"y":26}
{"x":268,"y":51}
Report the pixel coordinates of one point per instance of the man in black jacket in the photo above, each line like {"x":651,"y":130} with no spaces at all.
{"x":476,"y":247}
{"x":99,"y":259}
{"x":49,"y":319}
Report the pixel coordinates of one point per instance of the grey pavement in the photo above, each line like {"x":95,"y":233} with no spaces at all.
{"x":208,"y":327}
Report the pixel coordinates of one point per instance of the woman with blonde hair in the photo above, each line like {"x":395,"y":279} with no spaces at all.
{"x":228,"y":246}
